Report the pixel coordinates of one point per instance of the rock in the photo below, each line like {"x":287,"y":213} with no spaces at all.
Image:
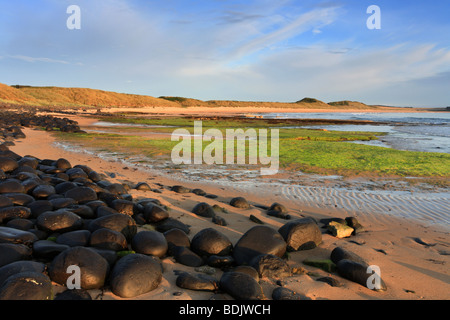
{"x":82,"y":211}
{"x":252,"y":272}
{"x":301,"y":234}
{"x":339,"y":254}
{"x":150,"y":243}
{"x":9,"y":213}
{"x":268,"y":265}
{"x":255,"y":219}
{"x":219,"y":221}
{"x":20,"y":224}
{"x":19,"y":199}
{"x":10,"y":252}
{"x":7,"y":164}
{"x":331,"y":281}
{"x":279,"y":211}
{"x":241,"y":286}
{"x":203,"y":209}
{"x":116,"y":188}
{"x":339,"y":230}
{"x":60,"y":203}
{"x":187,"y":257}
{"x":78,"y":238}
{"x":354,"y":223}
{"x":5,"y":202}
{"x":43,"y":191}
{"x":63,"y":164}
{"x":199,"y":282}
{"x":175,"y":238}
{"x":258,"y":240}
{"x":220,"y":261}
{"x":93,"y":267}
{"x":123,"y":206}
{"x":75,"y":294}
{"x":75,"y":173}
{"x":16,"y":236}
{"x":59,"y":221}
{"x":38,"y":207}
{"x":199,"y":192}
{"x":326,"y":264}
{"x":81,"y":194}
{"x":281,"y":293}
{"x":239,"y":202}
{"x":108,"y":239}
{"x":63,"y":187}
{"x":18,"y":267}
{"x":180,"y":189}
{"x":27,"y":286}
{"x":209,"y":242}
{"x":117,"y":222}
{"x":47,"y":249}
{"x":358,"y":273}
{"x":170,"y":223}
{"x":135,"y":274}
{"x":154,"y":213}
{"x":105,"y":211}
{"x":143,"y":186}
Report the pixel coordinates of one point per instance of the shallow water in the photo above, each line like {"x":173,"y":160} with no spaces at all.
{"x":427,"y":132}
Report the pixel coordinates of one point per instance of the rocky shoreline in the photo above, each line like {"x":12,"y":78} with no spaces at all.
{"x":55,"y":214}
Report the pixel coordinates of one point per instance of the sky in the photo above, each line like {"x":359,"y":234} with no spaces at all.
{"x":255,"y":50}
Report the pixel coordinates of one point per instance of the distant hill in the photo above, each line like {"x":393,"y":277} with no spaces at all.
{"x":92,"y":98}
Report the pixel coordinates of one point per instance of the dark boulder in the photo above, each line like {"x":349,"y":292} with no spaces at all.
{"x":12,"y":235}
{"x":154,"y":213}
{"x":135,"y":274}
{"x":301,"y":234}
{"x":78,"y":238}
{"x":241,"y":286}
{"x":10,"y":252}
{"x":93,"y":267}
{"x":258,"y":240}
{"x":81,"y":194}
{"x":59,"y":221}
{"x":150,"y":243}
{"x":117,"y":222}
{"x":108,"y":239}
{"x":209,"y":242}
{"x":203,"y":209}
{"x":27,"y":286}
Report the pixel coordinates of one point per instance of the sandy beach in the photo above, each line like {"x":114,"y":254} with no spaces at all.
{"x":413,"y":255}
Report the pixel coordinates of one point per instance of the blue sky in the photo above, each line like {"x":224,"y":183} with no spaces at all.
{"x":256,"y":50}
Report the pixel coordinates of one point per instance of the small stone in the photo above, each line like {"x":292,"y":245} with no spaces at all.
{"x":239,"y":202}
{"x":339,"y":230}
{"x":197,"y":282}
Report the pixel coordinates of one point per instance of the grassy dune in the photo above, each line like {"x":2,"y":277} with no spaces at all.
{"x":91,"y":98}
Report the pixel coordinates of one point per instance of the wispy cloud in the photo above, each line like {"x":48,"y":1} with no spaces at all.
{"x":36,"y":59}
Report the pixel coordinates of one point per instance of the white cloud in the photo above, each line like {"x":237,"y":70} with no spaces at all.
{"x":35,"y":59}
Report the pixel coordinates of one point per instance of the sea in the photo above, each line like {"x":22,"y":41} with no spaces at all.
{"x":413,"y":131}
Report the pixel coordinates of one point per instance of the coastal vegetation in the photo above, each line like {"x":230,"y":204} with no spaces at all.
{"x":307,"y":150}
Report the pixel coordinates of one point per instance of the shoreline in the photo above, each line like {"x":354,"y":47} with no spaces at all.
{"x":410,"y":269}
